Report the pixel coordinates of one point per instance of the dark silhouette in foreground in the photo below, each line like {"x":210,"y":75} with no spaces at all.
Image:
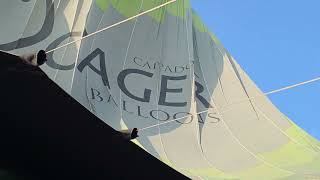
{"x":34,"y":59}
{"x":46,"y":134}
{"x":129,"y":134}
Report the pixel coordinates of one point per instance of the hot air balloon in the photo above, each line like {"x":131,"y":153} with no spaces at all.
{"x":153,"y":65}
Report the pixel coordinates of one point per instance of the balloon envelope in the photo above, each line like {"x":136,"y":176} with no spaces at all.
{"x":161,"y":67}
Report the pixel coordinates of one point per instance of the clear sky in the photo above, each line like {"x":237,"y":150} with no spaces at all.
{"x":277,"y":42}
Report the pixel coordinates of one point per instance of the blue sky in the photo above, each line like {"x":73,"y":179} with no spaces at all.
{"x":278,"y":44}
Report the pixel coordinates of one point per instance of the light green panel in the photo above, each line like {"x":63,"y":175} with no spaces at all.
{"x":179,"y":8}
{"x":314,"y":166}
{"x":302,"y":137}
{"x":294,"y":157}
{"x":103,"y":4}
{"x":210,"y":173}
{"x":123,"y":6}
{"x":263,"y":172}
{"x":291,"y":151}
{"x":302,"y":177}
{"x":207,"y":173}
{"x":129,"y":8}
{"x":157,"y":14}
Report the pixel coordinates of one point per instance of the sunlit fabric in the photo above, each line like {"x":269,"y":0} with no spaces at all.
{"x":160,"y":67}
